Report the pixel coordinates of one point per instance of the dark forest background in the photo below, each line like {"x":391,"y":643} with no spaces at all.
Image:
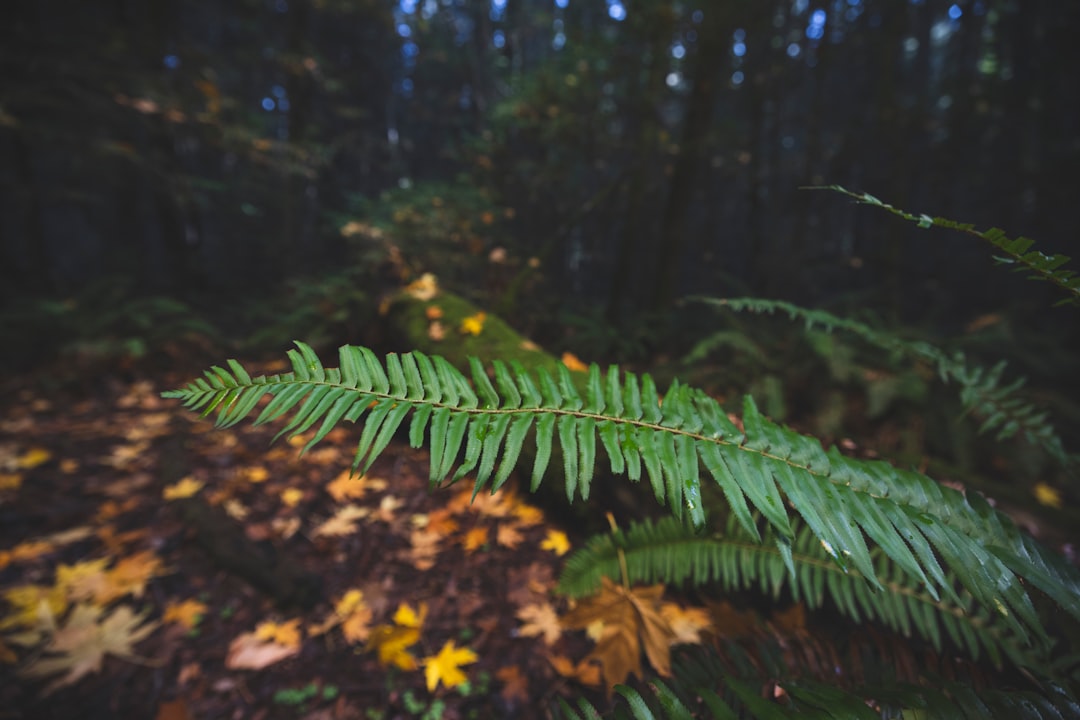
{"x":576,"y":166}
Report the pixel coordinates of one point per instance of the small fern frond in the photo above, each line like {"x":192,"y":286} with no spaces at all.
{"x":1015,"y":251}
{"x":668,"y":552}
{"x":982,"y":390}
{"x":917,"y":523}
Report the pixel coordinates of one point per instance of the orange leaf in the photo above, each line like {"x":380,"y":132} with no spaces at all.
{"x":572,"y":363}
{"x":348,"y":486}
{"x":474,"y":539}
{"x":187,"y":614}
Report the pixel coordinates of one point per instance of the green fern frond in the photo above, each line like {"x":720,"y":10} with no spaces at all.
{"x":1015,"y":251}
{"x":920,"y":525}
{"x":982,"y":391}
{"x":701,"y":686}
{"x":668,"y":552}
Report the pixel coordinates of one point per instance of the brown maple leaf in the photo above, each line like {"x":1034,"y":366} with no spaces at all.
{"x":80,"y":645}
{"x":631,"y":622}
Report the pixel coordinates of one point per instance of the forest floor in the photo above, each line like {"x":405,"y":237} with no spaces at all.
{"x":154,"y":567}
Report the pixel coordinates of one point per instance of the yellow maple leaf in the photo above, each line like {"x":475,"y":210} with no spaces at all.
{"x":28,"y":602}
{"x":474,"y":324}
{"x":474,"y":539}
{"x":445,"y":667}
{"x":391,"y":643}
{"x":540,"y":619}
{"x":557,"y":542}
{"x":572,"y":362}
{"x":405,"y":616}
{"x":286,"y":634}
{"x":84,"y":581}
{"x":187,"y":614}
{"x":1048,"y":495}
{"x":185,"y":488}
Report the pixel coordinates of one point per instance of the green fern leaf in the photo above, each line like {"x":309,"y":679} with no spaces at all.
{"x":913,"y":520}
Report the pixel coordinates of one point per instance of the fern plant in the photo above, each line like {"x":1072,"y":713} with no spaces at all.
{"x":953,"y":547}
{"x":998,"y":404}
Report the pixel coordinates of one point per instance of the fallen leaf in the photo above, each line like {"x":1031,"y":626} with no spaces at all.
{"x":445,"y":667}
{"x":32,"y":458}
{"x":187,"y":614}
{"x":473,"y":324}
{"x":286,"y":634}
{"x":87,"y":580}
{"x":407,"y":617}
{"x":631,"y":623}
{"x":185,"y":488}
{"x":391,"y":644}
{"x":475,"y":539}
{"x":256,"y":474}
{"x":248,"y":652}
{"x":436,"y":331}
{"x":572,"y":362}
{"x":424,"y":288}
{"x":508,"y":536}
{"x":291,"y":497}
{"x":31,"y":550}
{"x":130,"y":575}
{"x":27,"y":603}
{"x":528,"y":514}
{"x":10,"y":481}
{"x":387,"y":508}
{"x":433,"y":312}
{"x":350,"y":486}
{"x":686,"y":624}
{"x":515,"y":685}
{"x":81,"y":643}
{"x":557,"y":542}
{"x":343,"y":522}
{"x":540,"y":619}
{"x":1048,"y":495}
{"x":425,"y":546}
